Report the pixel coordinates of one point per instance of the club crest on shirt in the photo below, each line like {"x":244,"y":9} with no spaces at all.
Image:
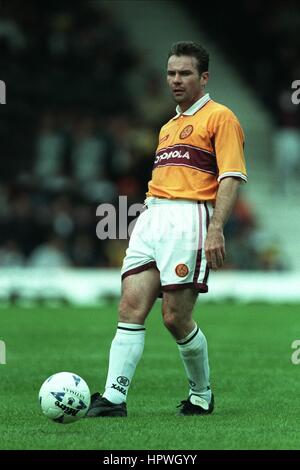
{"x":186,"y":132}
{"x":181,"y":270}
{"x":163,"y":138}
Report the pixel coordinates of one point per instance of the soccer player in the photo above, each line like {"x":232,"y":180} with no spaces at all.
{"x":198,"y":167}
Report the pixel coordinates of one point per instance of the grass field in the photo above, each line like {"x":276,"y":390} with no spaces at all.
{"x":256,"y":385}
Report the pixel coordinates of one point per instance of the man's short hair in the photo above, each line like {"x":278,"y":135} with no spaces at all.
{"x":191,"y":49}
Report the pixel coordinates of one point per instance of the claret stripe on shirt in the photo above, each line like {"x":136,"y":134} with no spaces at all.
{"x":188,"y":156}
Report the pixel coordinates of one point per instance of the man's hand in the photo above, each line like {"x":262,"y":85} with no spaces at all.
{"x":215,"y":242}
{"x":215,"y":248}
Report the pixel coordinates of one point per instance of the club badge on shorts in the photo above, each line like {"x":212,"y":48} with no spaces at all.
{"x":181,"y":270}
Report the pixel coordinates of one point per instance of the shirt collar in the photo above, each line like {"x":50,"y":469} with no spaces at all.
{"x":194,"y":108}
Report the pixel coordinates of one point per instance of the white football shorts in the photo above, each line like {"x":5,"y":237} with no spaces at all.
{"x":169,"y":236}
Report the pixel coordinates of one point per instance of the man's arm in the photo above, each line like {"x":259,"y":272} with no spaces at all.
{"x":215,"y":242}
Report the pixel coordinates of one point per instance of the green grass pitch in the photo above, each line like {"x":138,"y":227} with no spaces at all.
{"x":256,"y":386}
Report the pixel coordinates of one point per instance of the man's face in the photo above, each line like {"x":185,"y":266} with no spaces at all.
{"x":184,"y":80}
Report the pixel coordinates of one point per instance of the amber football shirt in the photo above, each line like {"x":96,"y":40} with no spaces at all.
{"x":196,"y":150}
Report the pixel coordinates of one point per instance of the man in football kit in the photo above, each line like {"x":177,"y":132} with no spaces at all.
{"x":198,"y":167}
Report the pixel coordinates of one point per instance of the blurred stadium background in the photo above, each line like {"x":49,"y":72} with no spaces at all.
{"x":85,"y":98}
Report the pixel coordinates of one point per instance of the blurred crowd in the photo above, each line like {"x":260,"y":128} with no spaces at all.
{"x":261,"y":38}
{"x":75,"y":137}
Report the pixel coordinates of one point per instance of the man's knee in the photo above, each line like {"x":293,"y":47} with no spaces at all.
{"x":170,"y":321}
{"x":177,"y":320}
{"x":130,"y":311}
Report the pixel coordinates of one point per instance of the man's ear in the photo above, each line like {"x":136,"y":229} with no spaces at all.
{"x":204,"y":78}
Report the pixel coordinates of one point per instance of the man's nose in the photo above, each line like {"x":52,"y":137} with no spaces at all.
{"x":177,"y":78}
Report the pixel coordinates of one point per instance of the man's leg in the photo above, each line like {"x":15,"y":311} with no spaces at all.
{"x":177,"y":311}
{"x":139,"y":292}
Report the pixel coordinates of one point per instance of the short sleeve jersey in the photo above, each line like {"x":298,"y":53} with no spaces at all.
{"x":196,"y":150}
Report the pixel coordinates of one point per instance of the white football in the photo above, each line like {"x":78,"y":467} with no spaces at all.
{"x":64,"y":397}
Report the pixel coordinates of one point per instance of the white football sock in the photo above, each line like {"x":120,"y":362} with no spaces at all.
{"x":125,"y":353}
{"x":193,"y":352}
